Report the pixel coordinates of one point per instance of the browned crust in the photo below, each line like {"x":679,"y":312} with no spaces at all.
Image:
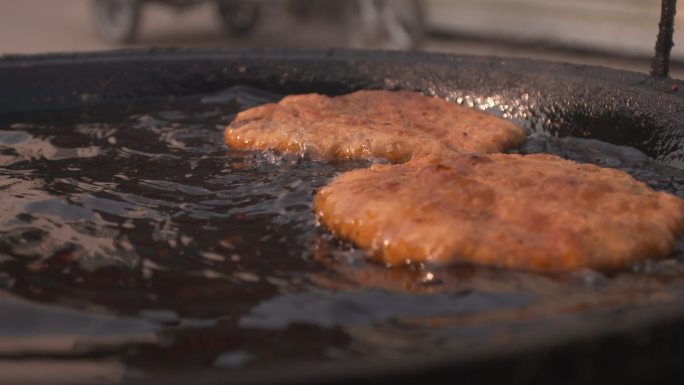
{"x":394,"y":125}
{"x":534,"y":212}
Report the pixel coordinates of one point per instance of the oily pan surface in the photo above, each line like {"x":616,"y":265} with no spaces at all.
{"x":141,"y":240}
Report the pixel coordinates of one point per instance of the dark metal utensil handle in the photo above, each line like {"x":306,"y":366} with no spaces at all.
{"x":664,"y":42}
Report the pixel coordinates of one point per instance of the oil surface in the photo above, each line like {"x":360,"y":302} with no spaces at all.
{"x":134,"y":242}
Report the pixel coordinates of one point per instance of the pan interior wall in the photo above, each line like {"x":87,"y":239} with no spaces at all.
{"x":619,"y":107}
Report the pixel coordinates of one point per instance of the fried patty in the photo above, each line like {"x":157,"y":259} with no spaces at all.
{"x":534,"y":212}
{"x":394,"y":125}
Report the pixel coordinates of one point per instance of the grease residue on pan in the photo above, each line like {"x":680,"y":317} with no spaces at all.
{"x":131,"y":234}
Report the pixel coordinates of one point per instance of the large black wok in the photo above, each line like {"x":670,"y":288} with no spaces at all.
{"x":642,"y":344}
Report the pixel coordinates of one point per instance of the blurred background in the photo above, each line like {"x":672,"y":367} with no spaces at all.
{"x":614,"y":33}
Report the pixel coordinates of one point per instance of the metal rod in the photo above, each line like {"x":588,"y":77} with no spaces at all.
{"x":664,"y":42}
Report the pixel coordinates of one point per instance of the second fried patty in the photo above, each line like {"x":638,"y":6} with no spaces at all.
{"x":534,"y":212}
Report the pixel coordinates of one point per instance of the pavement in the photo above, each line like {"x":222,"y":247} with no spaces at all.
{"x":36,"y":26}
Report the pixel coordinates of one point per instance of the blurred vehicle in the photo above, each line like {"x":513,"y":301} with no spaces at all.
{"x":389,"y":24}
{"x":117,"y":21}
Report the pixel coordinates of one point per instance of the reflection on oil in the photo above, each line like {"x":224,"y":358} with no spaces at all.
{"x":134,"y":243}
{"x":66,"y":372}
{"x":32,"y":329}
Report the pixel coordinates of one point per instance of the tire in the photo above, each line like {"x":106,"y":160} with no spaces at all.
{"x":238,"y":17}
{"x":386,"y":24}
{"x":117,"y":21}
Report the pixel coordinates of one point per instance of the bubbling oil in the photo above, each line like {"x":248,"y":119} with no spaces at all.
{"x":138,"y":237}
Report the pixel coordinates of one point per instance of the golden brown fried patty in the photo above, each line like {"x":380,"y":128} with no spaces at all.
{"x":534,"y":212}
{"x":371,"y":124}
